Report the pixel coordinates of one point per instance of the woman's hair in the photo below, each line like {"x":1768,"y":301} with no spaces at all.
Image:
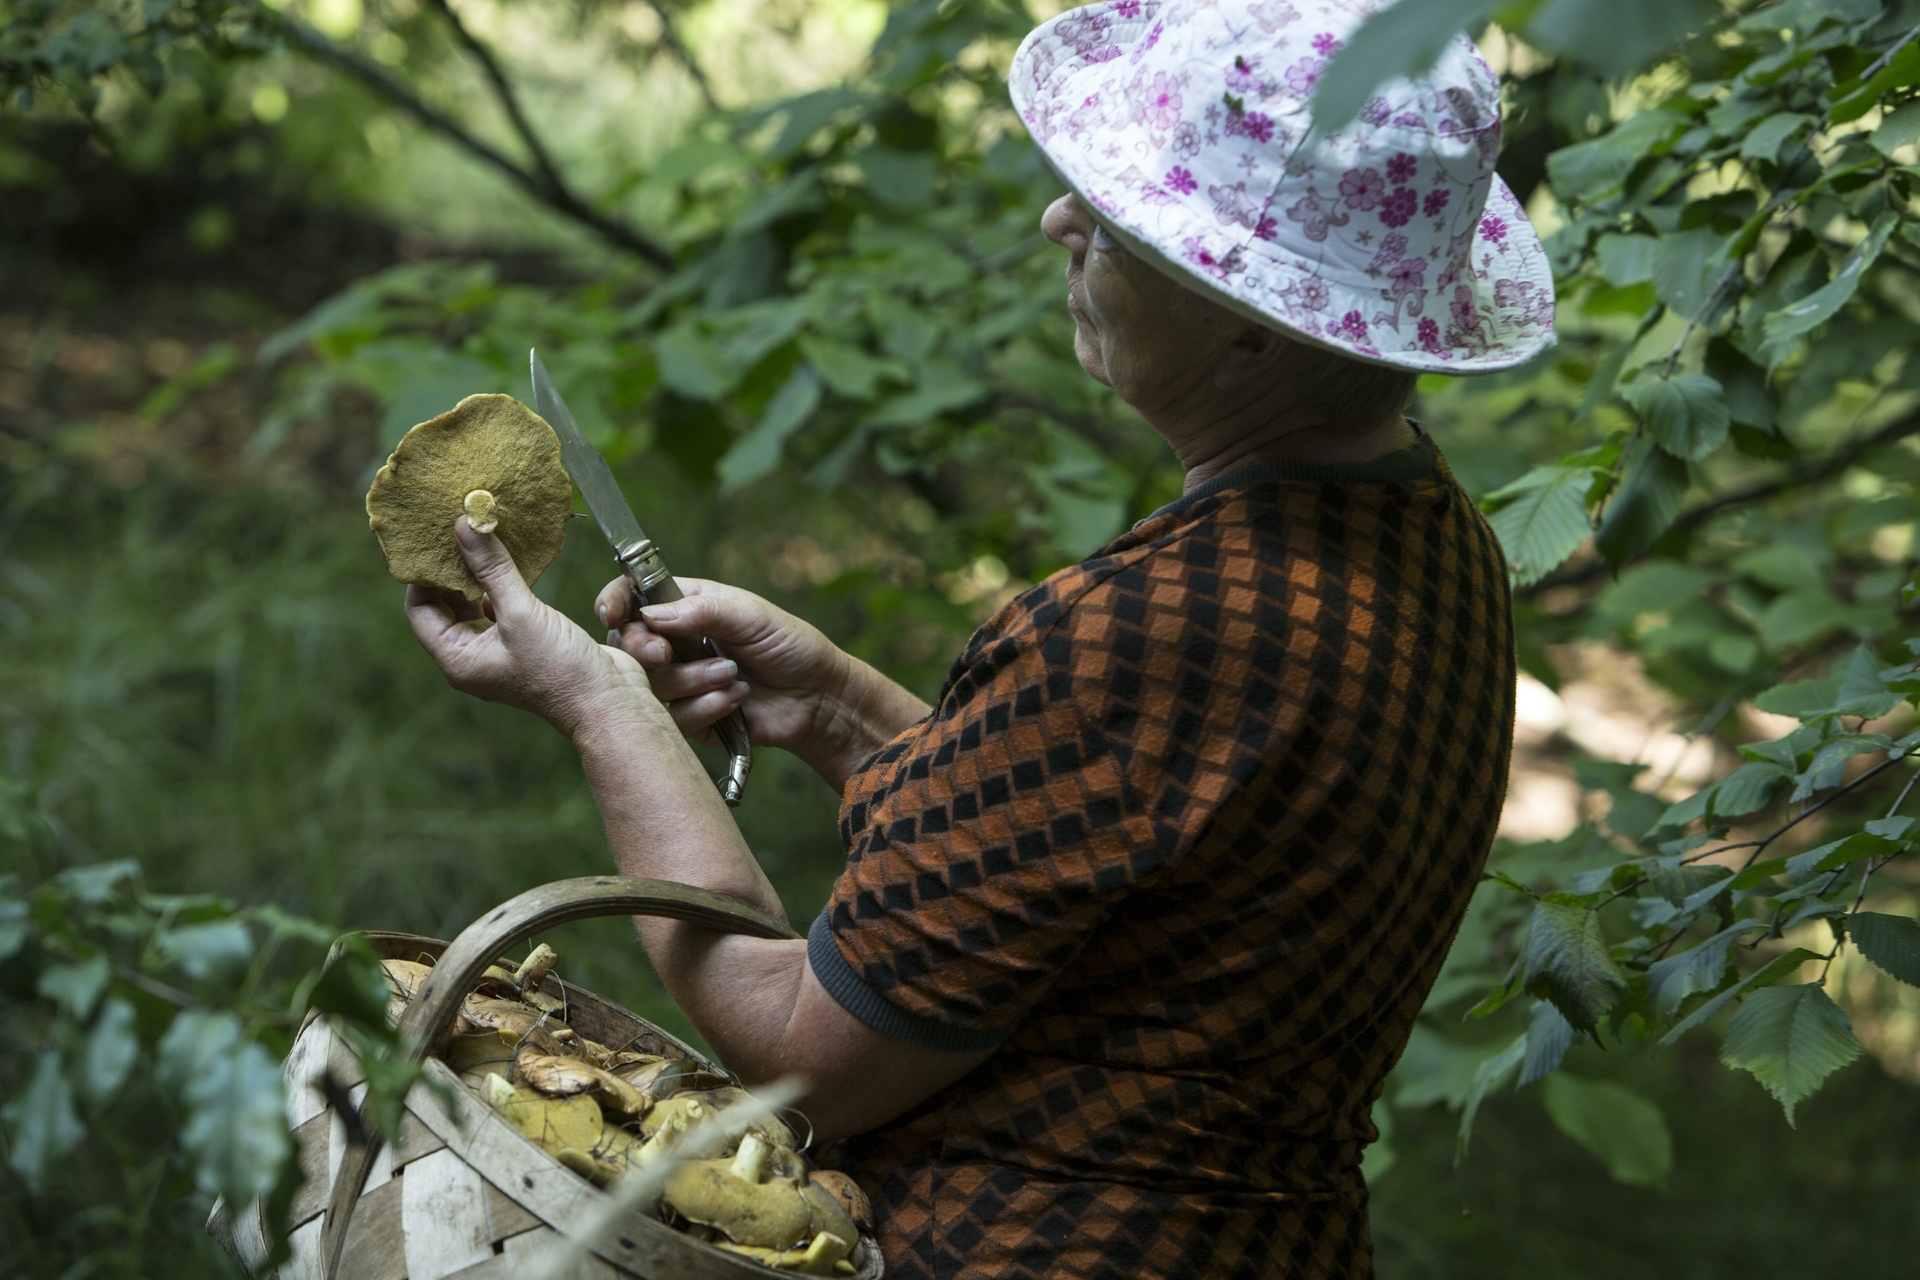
{"x":1337,"y":389}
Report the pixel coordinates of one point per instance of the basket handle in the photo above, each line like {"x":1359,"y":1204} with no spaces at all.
{"x":435,"y":1006}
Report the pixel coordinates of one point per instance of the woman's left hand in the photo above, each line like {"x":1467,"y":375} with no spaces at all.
{"x":532,"y":657}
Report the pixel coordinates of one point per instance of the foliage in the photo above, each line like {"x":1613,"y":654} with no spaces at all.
{"x":164,"y":1015}
{"x":838,"y":300}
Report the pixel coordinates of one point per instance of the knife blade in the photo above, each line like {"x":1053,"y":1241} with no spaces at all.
{"x":637,"y":557}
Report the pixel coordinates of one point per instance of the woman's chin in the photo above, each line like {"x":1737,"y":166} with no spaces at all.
{"x":1088,"y":354}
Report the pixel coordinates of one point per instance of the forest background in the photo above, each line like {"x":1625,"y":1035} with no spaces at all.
{"x":782,"y":258}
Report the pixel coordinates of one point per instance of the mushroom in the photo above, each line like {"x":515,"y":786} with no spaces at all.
{"x":565,"y":1076}
{"x":557,"y":1125}
{"x":767,"y":1215}
{"x":826,"y":1219}
{"x":489,"y":457}
{"x":852,"y":1200}
{"x":534,"y":969}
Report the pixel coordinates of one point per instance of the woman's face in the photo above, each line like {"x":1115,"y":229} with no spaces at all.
{"x":1136,"y":330}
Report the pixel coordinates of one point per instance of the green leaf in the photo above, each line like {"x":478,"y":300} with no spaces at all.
{"x":112,"y":1048}
{"x":1852,"y":100}
{"x":1648,"y":500}
{"x":1653,"y":587}
{"x":1900,"y":129}
{"x":1619,"y":36}
{"x":1486,"y":1078}
{"x":236,"y":1125}
{"x":1892,"y":942}
{"x":1783,"y":566}
{"x":1549,"y":1036}
{"x":1809,"y":313}
{"x":41,"y":1121}
{"x":1686,"y":414}
{"x":1541,"y":518}
{"x":1687,"y":267}
{"x":1618,"y":1125}
{"x":1566,"y":961}
{"x":1764,"y":140}
{"x":216,"y":950}
{"x":848,"y":370}
{"x":1589,"y":170}
{"x":757,"y":453}
{"x":1829,"y":762}
{"x":1624,"y":259}
{"x":1799,"y":617}
{"x":1671,"y":980}
{"x":1765,"y":976}
{"x":1791,"y":1039}
{"x":691,"y":365}
{"x":99,"y":882}
{"x":75,"y":987}
{"x":1400,"y":40}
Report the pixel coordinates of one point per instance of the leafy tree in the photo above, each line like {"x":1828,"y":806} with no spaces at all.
{"x":843,"y":292}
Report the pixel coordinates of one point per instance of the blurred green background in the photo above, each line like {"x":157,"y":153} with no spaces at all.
{"x":223,"y":295}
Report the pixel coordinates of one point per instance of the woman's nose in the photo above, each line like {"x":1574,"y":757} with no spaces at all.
{"x":1066,"y":223}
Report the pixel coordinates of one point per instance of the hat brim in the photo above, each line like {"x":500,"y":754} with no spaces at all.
{"x":1500,"y":303}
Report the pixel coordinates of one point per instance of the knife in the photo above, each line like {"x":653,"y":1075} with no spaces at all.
{"x":638,"y":558}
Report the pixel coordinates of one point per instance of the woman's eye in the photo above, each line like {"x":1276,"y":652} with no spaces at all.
{"x":1103,"y":239}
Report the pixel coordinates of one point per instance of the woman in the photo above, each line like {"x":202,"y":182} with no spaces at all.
{"x":1137,"y":917}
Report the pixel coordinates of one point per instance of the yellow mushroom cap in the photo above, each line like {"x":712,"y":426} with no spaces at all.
{"x":769,"y":1215}
{"x":490,"y":458}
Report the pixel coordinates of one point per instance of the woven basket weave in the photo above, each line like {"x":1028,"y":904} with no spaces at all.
{"x":465,"y":1196}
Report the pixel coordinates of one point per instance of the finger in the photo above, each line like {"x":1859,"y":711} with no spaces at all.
{"x":725,"y":616}
{"x":614,"y":605}
{"x":431,"y":617}
{"x":691,"y":679}
{"x":640,"y":644}
{"x":493,"y":564}
{"x":696,"y":715}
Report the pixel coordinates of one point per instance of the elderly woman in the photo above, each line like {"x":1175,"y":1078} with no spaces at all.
{"x":1137,"y":916}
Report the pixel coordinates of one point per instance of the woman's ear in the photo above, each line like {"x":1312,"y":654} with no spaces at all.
{"x":1253,"y":354}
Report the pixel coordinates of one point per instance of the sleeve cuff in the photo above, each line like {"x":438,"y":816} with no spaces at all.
{"x":873,"y":1009}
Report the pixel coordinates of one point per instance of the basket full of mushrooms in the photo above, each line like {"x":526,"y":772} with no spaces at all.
{"x":553,"y":1133}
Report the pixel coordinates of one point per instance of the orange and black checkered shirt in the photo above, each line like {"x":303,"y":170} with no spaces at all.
{"x":1186,"y":836}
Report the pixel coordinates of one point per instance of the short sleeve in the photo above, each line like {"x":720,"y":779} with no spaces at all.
{"x":1066,"y":767}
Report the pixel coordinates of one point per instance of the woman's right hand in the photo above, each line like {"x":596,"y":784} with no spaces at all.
{"x":798,"y":690}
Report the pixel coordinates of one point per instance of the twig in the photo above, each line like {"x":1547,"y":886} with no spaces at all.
{"x":509,"y":101}
{"x":1759,"y":846}
{"x":1881,"y":61}
{"x":671,"y":39}
{"x":561,"y":200}
{"x":1831,"y":465}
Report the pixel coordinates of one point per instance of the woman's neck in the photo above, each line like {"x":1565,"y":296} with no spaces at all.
{"x":1223,"y":438}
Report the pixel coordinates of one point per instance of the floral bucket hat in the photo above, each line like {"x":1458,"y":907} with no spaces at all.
{"x":1391,"y":240}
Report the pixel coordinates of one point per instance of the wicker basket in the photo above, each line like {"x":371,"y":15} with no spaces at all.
{"x":465,"y":1195}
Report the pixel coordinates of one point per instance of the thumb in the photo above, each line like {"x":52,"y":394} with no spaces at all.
{"x":493,"y":564}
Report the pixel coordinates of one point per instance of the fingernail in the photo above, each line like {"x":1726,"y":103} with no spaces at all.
{"x":464,"y":531}
{"x":724,"y":669}
{"x":600,"y":611}
{"x":738,"y":690}
{"x":660,"y":612}
{"x":659,"y":650}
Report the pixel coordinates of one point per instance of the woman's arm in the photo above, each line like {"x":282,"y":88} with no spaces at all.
{"x":756,"y":1001}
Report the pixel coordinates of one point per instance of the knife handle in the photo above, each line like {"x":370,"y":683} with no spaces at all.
{"x":732,"y":728}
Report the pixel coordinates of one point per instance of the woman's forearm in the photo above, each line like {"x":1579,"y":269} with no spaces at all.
{"x":664,"y":817}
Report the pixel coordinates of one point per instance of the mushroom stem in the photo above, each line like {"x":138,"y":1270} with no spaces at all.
{"x":482,"y":511}
{"x":750,"y":1163}
{"x":540,"y":963}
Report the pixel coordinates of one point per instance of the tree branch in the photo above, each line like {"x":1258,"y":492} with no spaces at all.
{"x":671,"y":39}
{"x":559,"y":199}
{"x":1826,"y":468}
{"x":509,"y":101}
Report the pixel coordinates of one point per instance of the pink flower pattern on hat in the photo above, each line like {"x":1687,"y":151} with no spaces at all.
{"x":1181,"y":122}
